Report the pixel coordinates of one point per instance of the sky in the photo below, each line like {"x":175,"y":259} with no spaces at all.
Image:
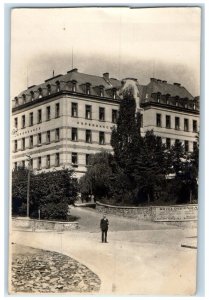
{"x":141,"y":43}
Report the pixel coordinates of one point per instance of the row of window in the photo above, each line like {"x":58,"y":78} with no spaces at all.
{"x":39,"y":162}
{"x":186,"y":144}
{"x":74,"y":161}
{"x":74,"y":137}
{"x":177,"y":123}
{"x":74,"y":113}
{"x":39,"y":116}
{"x":74,"y":157}
{"x":73,"y":89}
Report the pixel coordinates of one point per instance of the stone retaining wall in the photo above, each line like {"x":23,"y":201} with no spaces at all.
{"x":32,"y":224}
{"x":174,"y":213}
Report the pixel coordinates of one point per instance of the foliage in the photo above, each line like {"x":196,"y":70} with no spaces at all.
{"x":96,"y":181}
{"x":48,"y":191}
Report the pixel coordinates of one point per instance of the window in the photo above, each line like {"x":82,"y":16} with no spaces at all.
{"x":194,"y":126}
{"x":32,"y":95}
{"x":88,"y":88}
{"x":57,"y":160}
{"x":114,"y":116}
{"x":88,"y":136}
{"x":177,"y":123}
{"x":158,"y":97}
{"x":101,"y":114}
{"x":48,"y":113}
{"x":48,"y":161}
{"x":57,"y":134}
{"x":49,"y":89}
{"x":158,"y":120}
{"x":186,"y":125}
{"x":177,"y":141}
{"x":74,"y":134}
{"x":24,"y":98}
{"x":114,"y":93}
{"x":39,"y":139}
{"x":168,"y":122}
{"x":146,"y":97}
{"x":58,"y":86}
{"x":186,"y":146}
{"x":88,"y":111}
{"x":75,"y":159}
{"x":57,"y":110}
{"x":23,"y":121}
{"x":39,"y":116}
{"x":31,"y":119}
{"x":74,"y":86}
{"x":40,"y":93}
{"x":101,"y":91}
{"x":16,"y":122}
{"x":87,"y":159}
{"x":74,"y":110}
{"x":31,"y":141}
{"x":101,"y":138}
{"x":15,"y":148}
{"x":39,"y":163}
{"x":23,"y":143}
{"x":168,"y":143}
{"x":48,"y":137}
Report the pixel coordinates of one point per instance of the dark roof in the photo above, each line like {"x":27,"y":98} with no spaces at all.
{"x":81,"y":79}
{"x":166,"y":88}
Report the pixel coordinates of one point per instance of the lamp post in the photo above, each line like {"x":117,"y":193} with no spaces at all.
{"x":28,"y":185}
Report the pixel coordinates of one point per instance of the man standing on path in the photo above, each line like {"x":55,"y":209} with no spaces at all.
{"x":104,"y":228}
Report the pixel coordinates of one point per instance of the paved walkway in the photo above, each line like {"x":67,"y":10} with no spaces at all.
{"x":143,"y":258}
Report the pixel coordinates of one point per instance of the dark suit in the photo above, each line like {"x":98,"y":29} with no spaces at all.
{"x":104,"y":228}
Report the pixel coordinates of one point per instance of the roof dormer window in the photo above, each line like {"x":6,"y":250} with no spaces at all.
{"x":101,"y":91}
{"x":114,"y":93}
{"x":74,"y":85}
{"x":49,"y":89}
{"x":24,"y":98}
{"x":158,"y":97}
{"x":32,"y":95}
{"x":58,"y":85}
{"x":88,"y":85}
{"x":40,"y":93}
{"x":167,"y":98}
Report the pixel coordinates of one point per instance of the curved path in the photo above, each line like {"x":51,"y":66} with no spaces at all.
{"x":140,"y":258}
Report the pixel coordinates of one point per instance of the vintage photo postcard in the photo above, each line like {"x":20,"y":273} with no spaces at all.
{"x":104,"y":119}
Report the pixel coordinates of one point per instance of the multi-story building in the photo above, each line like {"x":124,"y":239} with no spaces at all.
{"x":60,"y":122}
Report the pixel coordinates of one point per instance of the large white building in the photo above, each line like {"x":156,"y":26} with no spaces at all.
{"x":68,"y":117}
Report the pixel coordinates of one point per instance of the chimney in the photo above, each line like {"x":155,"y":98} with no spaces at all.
{"x":158,"y":80}
{"x":153,"y":79}
{"x":106,"y":76}
{"x":177,"y":84}
{"x":164,"y":81}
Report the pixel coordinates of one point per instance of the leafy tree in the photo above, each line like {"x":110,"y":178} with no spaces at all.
{"x":96,"y":181}
{"x":126,"y":136}
{"x":150,"y":167}
{"x":48,"y":191}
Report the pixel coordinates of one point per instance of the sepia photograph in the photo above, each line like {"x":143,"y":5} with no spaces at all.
{"x":104,"y":150}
